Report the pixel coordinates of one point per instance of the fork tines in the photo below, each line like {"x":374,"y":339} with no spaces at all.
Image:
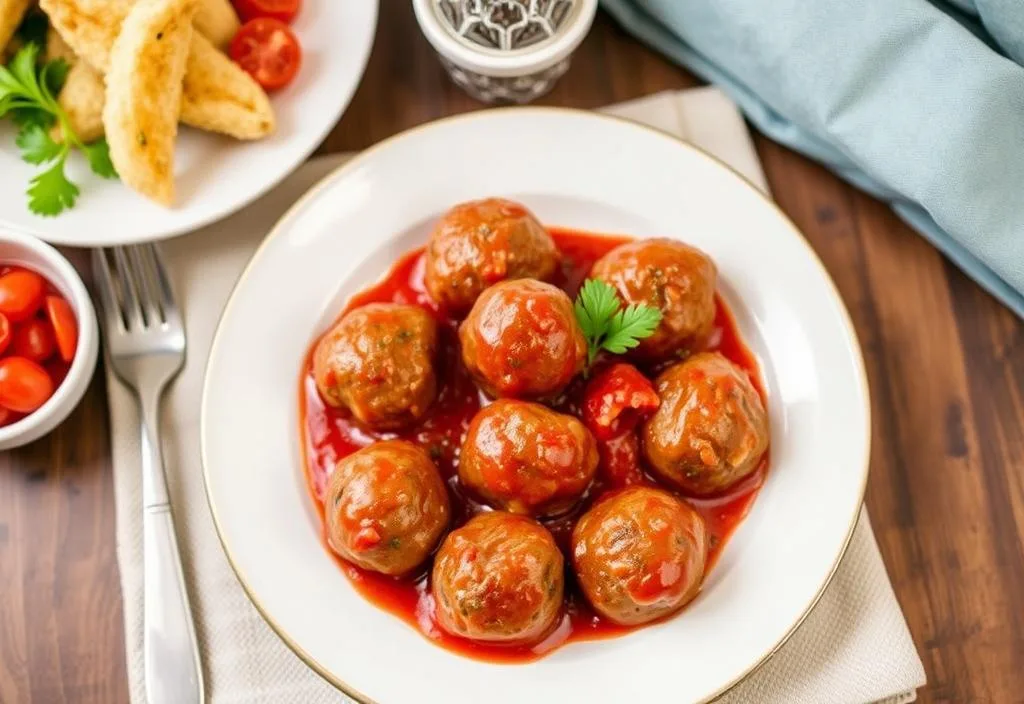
{"x":134,"y":287}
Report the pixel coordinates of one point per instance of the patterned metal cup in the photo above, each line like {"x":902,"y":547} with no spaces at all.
{"x":509,"y":51}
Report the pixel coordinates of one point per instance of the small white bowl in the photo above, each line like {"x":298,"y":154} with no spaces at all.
{"x":34,"y":254}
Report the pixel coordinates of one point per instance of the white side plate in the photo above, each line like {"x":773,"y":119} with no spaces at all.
{"x":214,"y":175}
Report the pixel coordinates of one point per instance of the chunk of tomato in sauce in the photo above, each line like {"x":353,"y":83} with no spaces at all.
{"x":616,"y":400}
{"x":620,"y":460}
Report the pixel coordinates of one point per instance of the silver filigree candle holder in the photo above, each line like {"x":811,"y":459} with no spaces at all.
{"x":509,"y":51}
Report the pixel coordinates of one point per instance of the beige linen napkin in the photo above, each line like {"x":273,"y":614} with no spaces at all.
{"x":853,"y":648}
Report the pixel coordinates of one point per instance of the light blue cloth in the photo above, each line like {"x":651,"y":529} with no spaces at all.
{"x":919,"y":102}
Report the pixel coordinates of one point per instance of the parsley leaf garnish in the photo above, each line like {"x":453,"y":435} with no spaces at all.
{"x":27,"y":95}
{"x":595,"y":306}
{"x":629,"y":326}
{"x":606,"y":324}
{"x":36,"y":144}
{"x":50,"y":192}
{"x":98,"y":154}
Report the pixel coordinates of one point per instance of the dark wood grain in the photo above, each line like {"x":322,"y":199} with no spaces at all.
{"x":945,"y":361}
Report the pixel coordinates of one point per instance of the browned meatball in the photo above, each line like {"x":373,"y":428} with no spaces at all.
{"x":526,"y":458}
{"x":498,"y":579}
{"x":675,"y":278}
{"x":711,"y":428}
{"x":639,"y":554}
{"x":386,"y":507}
{"x":480,"y":243}
{"x":378,"y":361}
{"x":522,"y":340}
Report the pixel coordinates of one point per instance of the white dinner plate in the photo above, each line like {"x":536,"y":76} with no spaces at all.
{"x":214,"y":175}
{"x":573,"y":169}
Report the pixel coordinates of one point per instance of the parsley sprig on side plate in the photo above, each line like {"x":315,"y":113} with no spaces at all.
{"x":27,"y":95}
{"x":609,"y":325}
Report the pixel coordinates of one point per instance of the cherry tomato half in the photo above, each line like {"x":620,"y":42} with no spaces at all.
{"x":616,"y":399}
{"x":34,"y":339}
{"x":65,"y":327}
{"x":268,"y":50}
{"x":5,"y":332}
{"x":281,"y":10}
{"x":21,"y":294}
{"x":24,"y":385}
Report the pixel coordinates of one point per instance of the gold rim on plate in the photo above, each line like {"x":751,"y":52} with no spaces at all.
{"x":352,"y":163}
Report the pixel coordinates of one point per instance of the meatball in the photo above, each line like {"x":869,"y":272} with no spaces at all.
{"x":675,"y":278}
{"x":525,"y":458}
{"x":386,"y":507}
{"x":499,"y":579}
{"x":639,"y":554}
{"x":522,"y":340}
{"x":711,"y":428}
{"x":378,"y":361}
{"x":480,"y":243}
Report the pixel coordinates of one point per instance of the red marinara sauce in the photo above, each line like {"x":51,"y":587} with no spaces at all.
{"x":329,"y":434}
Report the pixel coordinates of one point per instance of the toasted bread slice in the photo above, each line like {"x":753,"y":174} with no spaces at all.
{"x":82,"y":98}
{"x":12,"y":12}
{"x":221,"y":97}
{"x":218,"y":95}
{"x":144,"y":84}
{"x":217,"y":21}
{"x":88,"y":26}
{"x":83,"y":94}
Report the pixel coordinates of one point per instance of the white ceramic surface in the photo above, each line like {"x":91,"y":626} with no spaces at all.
{"x":593,"y":173}
{"x":215,"y":175}
{"x":513,"y":62}
{"x":40,"y":257}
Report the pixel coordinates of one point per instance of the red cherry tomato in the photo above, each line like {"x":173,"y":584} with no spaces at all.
{"x":268,"y":50}
{"x":58,"y":369}
{"x":34,"y":339}
{"x":24,"y":385}
{"x":6,"y":416}
{"x":616,"y":399}
{"x":21,"y":294}
{"x":282,"y":10}
{"x":5,"y":332}
{"x":65,"y":327}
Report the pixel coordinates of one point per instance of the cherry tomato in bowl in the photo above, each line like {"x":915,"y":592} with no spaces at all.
{"x":5,"y":333}
{"x":21,"y":294}
{"x":24,"y":385}
{"x":65,"y":328}
{"x":281,"y":10}
{"x":268,"y":50}
{"x":34,"y":340}
{"x":58,"y":370}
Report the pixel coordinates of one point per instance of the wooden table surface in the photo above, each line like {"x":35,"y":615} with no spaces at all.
{"x":944,"y":359}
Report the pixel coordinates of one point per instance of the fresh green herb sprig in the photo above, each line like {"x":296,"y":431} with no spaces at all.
{"x":609,"y":325}
{"x":27,"y":95}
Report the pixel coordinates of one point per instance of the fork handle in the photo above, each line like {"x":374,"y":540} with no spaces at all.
{"x":170,"y":649}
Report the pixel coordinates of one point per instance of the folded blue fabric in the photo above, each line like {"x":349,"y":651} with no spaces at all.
{"x":919,"y":102}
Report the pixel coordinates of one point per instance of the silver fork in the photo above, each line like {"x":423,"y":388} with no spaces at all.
{"x":145,"y":341}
